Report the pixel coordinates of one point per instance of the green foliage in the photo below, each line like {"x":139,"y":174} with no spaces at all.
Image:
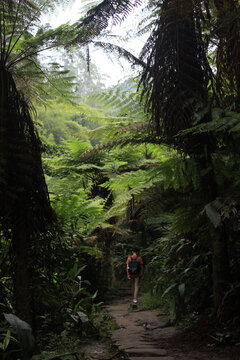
{"x":190,"y":209}
{"x":180,"y":271}
{"x":6,"y":340}
{"x":80,"y":304}
{"x":74,"y":313}
{"x":9,"y":346}
{"x":150,"y":301}
{"x":64,"y":345}
{"x":105,"y":324}
{"x":73,"y":204}
{"x":79,"y":212}
{"x":23,"y":38}
{"x":221,"y":122}
{"x":24,"y":335}
{"x":64,"y":120}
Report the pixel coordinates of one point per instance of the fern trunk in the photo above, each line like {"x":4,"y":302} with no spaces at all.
{"x":106,"y":273}
{"x":25,"y":209}
{"x":219,"y":244}
{"x":22,"y":273}
{"x":220,"y":265}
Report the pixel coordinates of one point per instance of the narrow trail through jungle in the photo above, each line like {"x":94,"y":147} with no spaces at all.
{"x":146,"y":335}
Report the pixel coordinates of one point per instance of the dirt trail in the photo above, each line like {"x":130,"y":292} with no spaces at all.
{"x":143,"y":335}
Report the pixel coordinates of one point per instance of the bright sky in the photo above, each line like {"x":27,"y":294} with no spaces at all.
{"x":110,"y":67}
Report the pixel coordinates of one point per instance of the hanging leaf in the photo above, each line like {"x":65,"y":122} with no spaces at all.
{"x":181,"y":289}
{"x":212,"y":214}
{"x":6,"y":340}
{"x":83,"y":317}
{"x":169,"y":289}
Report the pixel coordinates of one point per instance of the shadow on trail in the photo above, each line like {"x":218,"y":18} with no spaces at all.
{"x":143,"y":335}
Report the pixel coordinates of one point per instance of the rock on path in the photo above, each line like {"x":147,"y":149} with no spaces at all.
{"x":144,"y":336}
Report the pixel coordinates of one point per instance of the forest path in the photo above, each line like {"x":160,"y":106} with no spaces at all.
{"x":143,"y":335}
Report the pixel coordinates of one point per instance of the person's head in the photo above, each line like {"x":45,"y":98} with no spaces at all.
{"x":135,"y":250}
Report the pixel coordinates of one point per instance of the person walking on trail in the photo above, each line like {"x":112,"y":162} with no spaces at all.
{"x":135,"y":271}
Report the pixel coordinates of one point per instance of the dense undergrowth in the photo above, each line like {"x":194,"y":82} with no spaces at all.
{"x":71,"y":344}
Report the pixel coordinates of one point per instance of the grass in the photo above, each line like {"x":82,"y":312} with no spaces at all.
{"x":62,"y":347}
{"x":150,"y":301}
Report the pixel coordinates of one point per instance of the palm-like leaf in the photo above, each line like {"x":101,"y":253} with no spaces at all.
{"x":22,"y":39}
{"x":98,"y":18}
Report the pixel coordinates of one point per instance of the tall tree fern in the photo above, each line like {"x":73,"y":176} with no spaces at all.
{"x":26,"y":214}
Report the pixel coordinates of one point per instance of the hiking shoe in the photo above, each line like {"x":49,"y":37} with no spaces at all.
{"x":135,"y":301}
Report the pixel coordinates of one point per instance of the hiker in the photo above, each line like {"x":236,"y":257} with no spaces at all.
{"x":135,"y":271}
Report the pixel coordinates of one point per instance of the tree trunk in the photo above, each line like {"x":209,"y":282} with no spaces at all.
{"x":25,"y":210}
{"x":22,"y":274}
{"x":106,"y":274}
{"x":220,"y":263}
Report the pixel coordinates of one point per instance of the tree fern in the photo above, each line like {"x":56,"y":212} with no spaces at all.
{"x":27,"y":218}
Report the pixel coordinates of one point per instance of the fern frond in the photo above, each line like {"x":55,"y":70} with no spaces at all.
{"x":221,"y":122}
{"x":139,"y":133}
{"x":22,"y":39}
{"x":180,"y":223}
{"x":113,"y":131}
{"x":120,"y":52}
{"x":121,"y":101}
{"x":139,"y":136}
{"x":97,"y":19}
{"x":133,"y":127}
{"x":100,"y":147}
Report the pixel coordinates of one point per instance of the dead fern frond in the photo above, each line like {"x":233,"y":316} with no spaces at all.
{"x":177,"y":74}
